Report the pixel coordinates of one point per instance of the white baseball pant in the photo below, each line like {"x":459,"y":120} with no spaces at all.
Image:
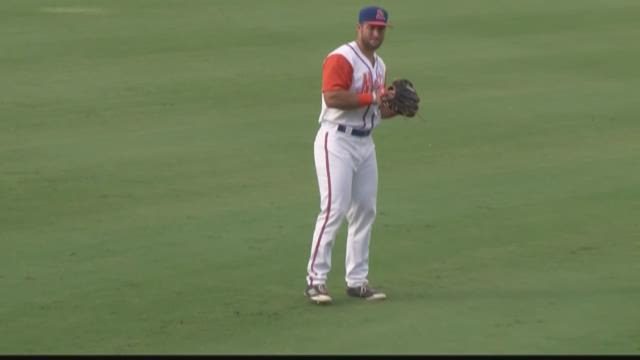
{"x":347,"y":172}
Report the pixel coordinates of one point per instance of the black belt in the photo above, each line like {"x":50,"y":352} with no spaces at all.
{"x":354,"y":132}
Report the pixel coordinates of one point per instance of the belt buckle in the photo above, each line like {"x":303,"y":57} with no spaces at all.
{"x":349,"y":131}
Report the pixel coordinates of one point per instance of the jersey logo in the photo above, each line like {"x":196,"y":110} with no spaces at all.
{"x":366,"y":83}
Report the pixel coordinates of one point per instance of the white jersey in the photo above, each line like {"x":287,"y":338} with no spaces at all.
{"x":357,"y":75}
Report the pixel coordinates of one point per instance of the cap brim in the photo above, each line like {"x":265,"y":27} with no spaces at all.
{"x":378,"y":23}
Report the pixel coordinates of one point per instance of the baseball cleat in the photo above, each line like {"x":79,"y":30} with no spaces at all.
{"x":318,"y":294}
{"x":365,"y":292}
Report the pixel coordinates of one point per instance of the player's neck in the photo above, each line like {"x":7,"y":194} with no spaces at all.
{"x":369,"y":53}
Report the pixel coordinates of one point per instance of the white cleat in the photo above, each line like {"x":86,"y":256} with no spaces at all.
{"x":318,"y":294}
{"x":365,"y":292}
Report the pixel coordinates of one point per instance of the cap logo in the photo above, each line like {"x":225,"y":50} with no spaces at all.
{"x":380,"y":15}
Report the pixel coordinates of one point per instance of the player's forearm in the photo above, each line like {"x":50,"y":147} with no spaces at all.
{"x":346,"y":100}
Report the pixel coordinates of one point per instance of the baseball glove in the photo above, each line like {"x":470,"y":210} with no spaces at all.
{"x":405,"y":100}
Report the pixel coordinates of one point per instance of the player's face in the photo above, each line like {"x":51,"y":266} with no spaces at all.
{"x":372,"y":36}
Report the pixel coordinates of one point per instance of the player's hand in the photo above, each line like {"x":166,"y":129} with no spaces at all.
{"x":389,"y":94}
{"x":383,"y":95}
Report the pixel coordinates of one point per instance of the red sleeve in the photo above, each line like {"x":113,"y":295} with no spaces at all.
{"x":337,"y":73}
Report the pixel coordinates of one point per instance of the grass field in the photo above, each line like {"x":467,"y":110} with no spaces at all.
{"x":158,"y":193}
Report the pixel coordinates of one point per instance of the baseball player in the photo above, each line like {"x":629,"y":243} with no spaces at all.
{"x":353,"y":94}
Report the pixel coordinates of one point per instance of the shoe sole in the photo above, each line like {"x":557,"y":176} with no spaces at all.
{"x":320,"y":299}
{"x":370,"y":298}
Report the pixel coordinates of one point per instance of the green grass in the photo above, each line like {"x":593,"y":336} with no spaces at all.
{"x":158,"y":193}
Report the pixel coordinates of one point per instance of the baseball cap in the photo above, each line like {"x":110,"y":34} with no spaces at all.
{"x":373,"y":15}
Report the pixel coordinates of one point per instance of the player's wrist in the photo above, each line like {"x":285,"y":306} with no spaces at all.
{"x":372,"y":98}
{"x":365,"y":99}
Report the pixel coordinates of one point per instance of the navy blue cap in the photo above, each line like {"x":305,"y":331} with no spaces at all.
{"x":374,"y":15}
